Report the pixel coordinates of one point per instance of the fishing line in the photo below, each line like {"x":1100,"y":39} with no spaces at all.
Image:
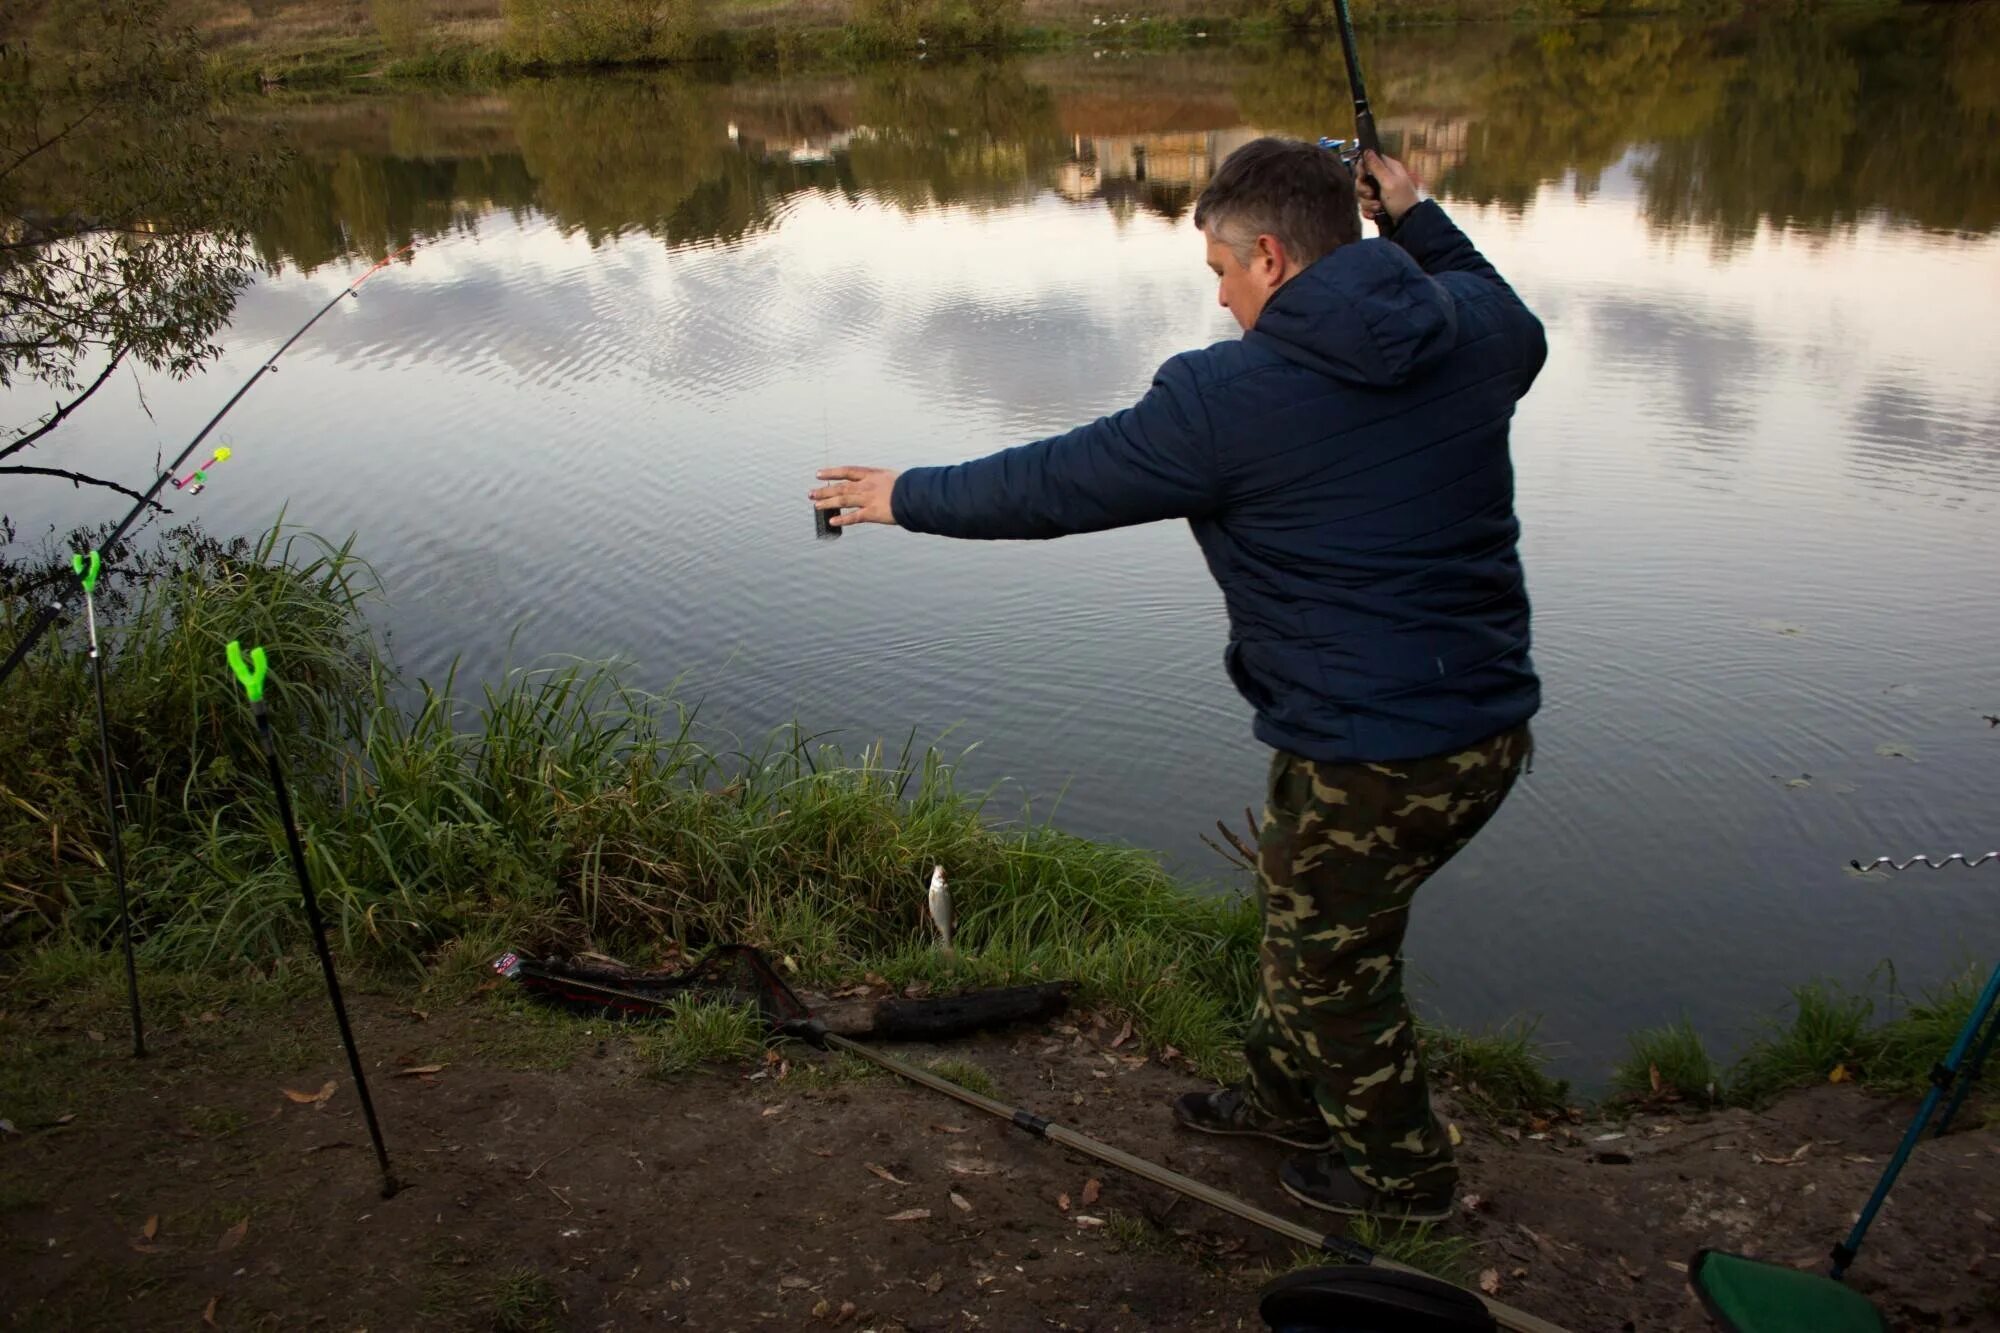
{"x":59,"y":604}
{"x":252,"y":676}
{"x":86,"y":571}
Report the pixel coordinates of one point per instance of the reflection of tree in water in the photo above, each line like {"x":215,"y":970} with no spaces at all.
{"x":1808,"y":123}
{"x":653,"y":155}
{"x":1825,"y":122}
{"x":327,"y":210}
{"x":977,"y":133}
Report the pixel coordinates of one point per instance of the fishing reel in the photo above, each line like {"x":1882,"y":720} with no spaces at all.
{"x":1347,"y":150}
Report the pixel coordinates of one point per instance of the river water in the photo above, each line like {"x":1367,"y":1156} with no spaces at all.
{"x":1758,"y":480}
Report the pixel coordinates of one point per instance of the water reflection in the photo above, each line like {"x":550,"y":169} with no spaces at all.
{"x":1808,"y":126}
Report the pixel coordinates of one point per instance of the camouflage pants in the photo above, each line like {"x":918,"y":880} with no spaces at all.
{"x":1343,"y":848}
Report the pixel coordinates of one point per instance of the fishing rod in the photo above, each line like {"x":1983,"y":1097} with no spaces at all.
{"x":251,"y":676}
{"x":1366,"y":140}
{"x":790,"y":1017}
{"x":60,"y":603}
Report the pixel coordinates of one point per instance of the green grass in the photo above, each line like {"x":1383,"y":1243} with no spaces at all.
{"x":835,"y":1071}
{"x":966,"y":1074}
{"x":1132,"y":1234}
{"x":1422,"y":1246}
{"x":557,"y":808}
{"x":1668,"y":1063}
{"x":468,"y":1291}
{"x":701,"y":1032}
{"x":1497,"y":1074}
{"x":1828,"y":1031}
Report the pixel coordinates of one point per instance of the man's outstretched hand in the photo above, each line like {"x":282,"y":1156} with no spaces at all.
{"x":863,"y":492}
{"x":1397,"y":190}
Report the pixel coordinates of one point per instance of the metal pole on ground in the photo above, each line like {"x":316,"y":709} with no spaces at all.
{"x":252,"y":675}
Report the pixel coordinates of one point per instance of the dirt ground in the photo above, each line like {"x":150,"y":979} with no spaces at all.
{"x":189,"y":1190}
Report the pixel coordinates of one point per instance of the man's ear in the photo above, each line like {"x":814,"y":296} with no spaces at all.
{"x":1271,"y":249}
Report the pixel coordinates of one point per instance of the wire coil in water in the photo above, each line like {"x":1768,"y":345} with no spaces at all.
{"x":1956,"y":858}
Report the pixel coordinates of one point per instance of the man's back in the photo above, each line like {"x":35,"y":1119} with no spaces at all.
{"x":1366,"y":539}
{"x":1345,"y":468}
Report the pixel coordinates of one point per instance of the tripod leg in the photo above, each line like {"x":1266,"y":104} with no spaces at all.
{"x":1969,"y":1075}
{"x":1941,"y":1080}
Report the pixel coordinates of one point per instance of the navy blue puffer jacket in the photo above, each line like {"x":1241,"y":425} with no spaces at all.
{"x":1344,"y":466}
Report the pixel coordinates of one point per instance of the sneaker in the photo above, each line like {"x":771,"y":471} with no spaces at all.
{"x":1228,"y":1111}
{"x":1323,"y":1181}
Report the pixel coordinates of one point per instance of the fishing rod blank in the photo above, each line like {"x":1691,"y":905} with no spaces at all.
{"x":86,"y":570}
{"x":252,"y":676}
{"x":1365,"y":136}
{"x":59,"y":603}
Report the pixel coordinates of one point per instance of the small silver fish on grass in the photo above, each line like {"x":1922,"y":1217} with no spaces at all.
{"x":940,"y":900}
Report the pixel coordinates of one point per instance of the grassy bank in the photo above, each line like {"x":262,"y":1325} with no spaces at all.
{"x":560,"y":810}
{"x":556,"y":809}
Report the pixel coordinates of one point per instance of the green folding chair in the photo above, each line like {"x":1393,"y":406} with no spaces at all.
{"x":1744,"y":1295}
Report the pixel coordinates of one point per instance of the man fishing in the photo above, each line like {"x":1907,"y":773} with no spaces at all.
{"x":1345,"y":469}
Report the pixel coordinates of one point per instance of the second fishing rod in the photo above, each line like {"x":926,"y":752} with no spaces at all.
{"x":70,"y":590}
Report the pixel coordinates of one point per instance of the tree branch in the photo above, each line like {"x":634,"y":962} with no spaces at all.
{"x":34,"y":433}
{"x":59,"y":136}
{"x":79,"y":479}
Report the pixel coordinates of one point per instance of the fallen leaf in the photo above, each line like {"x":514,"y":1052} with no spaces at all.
{"x":949,"y":1129}
{"x":820,"y":1152}
{"x":1489,"y":1281}
{"x":822,"y":1308}
{"x":1170,"y":1053}
{"x":1897,"y":750}
{"x":1085,"y":1220}
{"x":1839,"y":1075}
{"x":420,"y":1069}
{"x":885,"y":1173}
{"x":772,"y":1109}
{"x":959,"y":1202}
{"x":1677,"y":1265}
{"x":963,"y":1168}
{"x":1797,"y":782}
{"x":1653,"y":1075}
{"x":875,"y":979}
{"x":208,"y":1314}
{"x":1062,"y":1202}
{"x":934,"y":1283}
{"x":1451,"y":1132}
{"x":311,"y":1098}
{"x":1091,"y":1189}
{"x":1124,"y":1035}
{"x":233,"y":1237}
{"x":152,"y":1227}
{"x":210,"y":1016}
{"x":845,"y":1312}
{"x":94,"y":1035}
{"x":909,"y":1215}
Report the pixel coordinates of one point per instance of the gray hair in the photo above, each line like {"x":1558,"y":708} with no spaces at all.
{"x":1296,"y":191}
